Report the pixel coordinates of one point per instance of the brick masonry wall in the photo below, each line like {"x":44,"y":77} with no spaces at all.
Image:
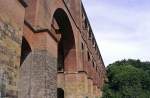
{"x":9,"y":57}
{"x":38,"y":76}
{"x":11,"y":27}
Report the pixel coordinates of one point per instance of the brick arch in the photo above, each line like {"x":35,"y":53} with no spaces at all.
{"x":66,"y":44}
{"x":60,"y":5}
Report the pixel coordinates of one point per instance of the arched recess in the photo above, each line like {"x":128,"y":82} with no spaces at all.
{"x":60,"y":93}
{"x":25,"y":50}
{"x":66,"y":45}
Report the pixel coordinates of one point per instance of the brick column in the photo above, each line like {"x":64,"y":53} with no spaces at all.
{"x":90,"y":88}
{"x":70,"y":61}
{"x":70,"y":85}
{"x":11,"y":27}
{"x":39,"y":71}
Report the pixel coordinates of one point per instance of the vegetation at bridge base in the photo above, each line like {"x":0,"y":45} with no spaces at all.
{"x":128,"y":79}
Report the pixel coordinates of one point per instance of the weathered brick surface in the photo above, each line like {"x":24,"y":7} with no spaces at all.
{"x":83,"y":75}
{"x":11,"y":26}
{"x":38,"y":76}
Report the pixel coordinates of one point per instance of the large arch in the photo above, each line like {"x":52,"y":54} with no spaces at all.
{"x":66,"y":46}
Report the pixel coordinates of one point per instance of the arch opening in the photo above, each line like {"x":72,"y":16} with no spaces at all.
{"x":66,"y":44}
{"x":60,"y":93}
{"x":25,"y":50}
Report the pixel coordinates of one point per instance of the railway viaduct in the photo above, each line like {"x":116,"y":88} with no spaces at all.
{"x":48,"y":50}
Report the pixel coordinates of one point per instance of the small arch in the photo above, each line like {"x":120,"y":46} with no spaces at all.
{"x":25,"y":50}
{"x":60,"y":93}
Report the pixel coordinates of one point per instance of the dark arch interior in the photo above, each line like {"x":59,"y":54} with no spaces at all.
{"x":60,"y":93}
{"x":67,"y":41}
{"x":25,"y":50}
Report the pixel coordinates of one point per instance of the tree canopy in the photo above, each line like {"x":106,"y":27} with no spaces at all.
{"x":128,"y":79}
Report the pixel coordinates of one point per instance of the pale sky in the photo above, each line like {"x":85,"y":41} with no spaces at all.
{"x":121,"y":28}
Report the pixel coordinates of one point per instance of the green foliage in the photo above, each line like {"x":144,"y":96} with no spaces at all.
{"x":128,"y":79}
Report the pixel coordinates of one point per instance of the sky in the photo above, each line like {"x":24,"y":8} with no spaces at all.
{"x":121,"y":28}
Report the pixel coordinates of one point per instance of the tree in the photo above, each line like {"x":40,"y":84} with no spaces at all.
{"x":128,"y":79}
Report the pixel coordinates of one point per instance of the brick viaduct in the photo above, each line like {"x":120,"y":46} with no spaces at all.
{"x":48,"y":50}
